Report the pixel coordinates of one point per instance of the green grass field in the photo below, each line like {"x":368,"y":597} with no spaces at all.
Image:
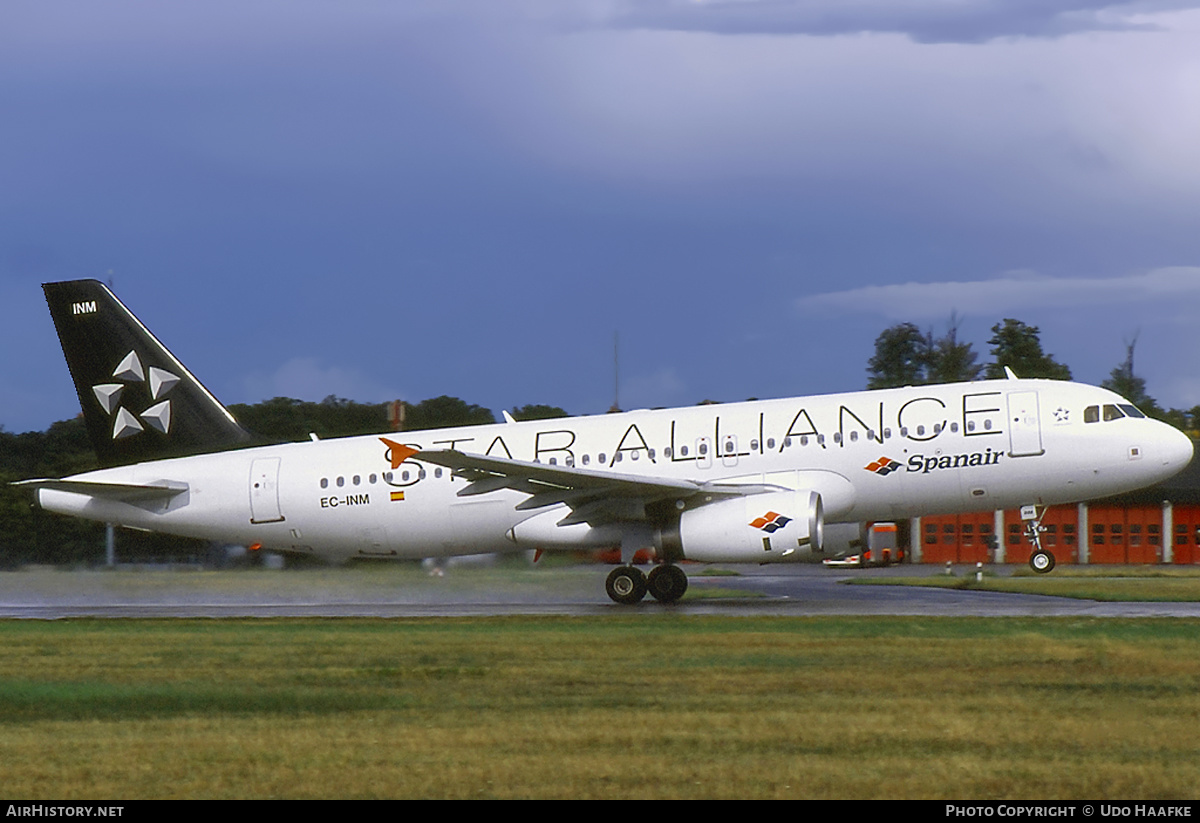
{"x":1141,"y":584}
{"x":645,"y":706}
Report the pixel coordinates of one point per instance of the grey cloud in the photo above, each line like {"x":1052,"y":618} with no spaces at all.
{"x":926,"y":21}
{"x":1013,"y":291}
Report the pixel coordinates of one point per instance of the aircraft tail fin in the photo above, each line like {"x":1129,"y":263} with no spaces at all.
{"x":139,"y":402}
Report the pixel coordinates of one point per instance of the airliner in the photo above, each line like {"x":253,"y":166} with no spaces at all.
{"x":767,"y":481}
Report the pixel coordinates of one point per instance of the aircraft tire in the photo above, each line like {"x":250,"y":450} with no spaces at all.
{"x":626,"y":585}
{"x":667,"y":583}
{"x":1041,"y":561}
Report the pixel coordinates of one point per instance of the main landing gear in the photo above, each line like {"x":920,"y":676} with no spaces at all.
{"x":1042,"y":560}
{"x":666,"y":583}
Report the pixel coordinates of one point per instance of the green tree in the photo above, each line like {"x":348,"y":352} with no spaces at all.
{"x":444,"y":412}
{"x":1019,"y":347}
{"x":948,"y":360}
{"x":906,"y":357}
{"x":536,"y":411}
{"x":285,"y":418}
{"x":901,"y":355}
{"x":1124,"y":382}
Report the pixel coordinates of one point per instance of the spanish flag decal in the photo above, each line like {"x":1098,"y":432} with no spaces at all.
{"x":397,"y":496}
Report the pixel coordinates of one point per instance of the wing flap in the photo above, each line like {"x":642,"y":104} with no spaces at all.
{"x":492,"y":473}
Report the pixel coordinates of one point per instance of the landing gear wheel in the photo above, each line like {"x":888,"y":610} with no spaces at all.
{"x":667,"y":583}
{"x":1041,"y":561}
{"x":626,"y":585}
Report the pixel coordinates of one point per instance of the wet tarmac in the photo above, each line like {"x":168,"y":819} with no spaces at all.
{"x":482,"y":590}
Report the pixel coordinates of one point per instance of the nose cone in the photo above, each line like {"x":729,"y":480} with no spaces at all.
{"x":1174,"y":450}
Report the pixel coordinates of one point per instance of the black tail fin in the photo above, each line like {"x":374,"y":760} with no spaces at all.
{"x":139,"y":402}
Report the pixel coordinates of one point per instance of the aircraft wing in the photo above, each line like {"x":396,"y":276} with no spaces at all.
{"x":123,"y":492}
{"x":594,"y":497}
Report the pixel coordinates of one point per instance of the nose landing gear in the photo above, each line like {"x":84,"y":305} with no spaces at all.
{"x":1042,"y":560}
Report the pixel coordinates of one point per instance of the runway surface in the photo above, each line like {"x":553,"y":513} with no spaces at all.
{"x":507,"y":589}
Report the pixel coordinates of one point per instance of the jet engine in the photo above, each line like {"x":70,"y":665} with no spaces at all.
{"x":777,"y":527}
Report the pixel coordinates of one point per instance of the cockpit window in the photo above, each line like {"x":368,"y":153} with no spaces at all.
{"x":1091,"y":414}
{"x":1130,"y":409}
{"x":1111,"y":412}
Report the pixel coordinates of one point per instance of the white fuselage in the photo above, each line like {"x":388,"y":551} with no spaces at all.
{"x":875,"y":455}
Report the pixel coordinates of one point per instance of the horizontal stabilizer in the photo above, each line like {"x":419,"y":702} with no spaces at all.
{"x":122,"y":492}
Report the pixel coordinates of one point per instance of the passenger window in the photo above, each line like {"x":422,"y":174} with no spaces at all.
{"x":324,"y":482}
{"x":1091,"y":414}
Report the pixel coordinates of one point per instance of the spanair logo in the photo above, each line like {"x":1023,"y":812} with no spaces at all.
{"x":130,"y":372}
{"x":770,"y":522}
{"x":921,"y":464}
{"x":883,"y":466}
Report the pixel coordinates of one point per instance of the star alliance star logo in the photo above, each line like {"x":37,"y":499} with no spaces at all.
{"x":129,"y":371}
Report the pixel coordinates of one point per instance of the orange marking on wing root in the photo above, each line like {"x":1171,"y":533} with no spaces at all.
{"x":398,"y":452}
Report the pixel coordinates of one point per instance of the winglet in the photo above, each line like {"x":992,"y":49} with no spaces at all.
{"x":508,"y":418}
{"x":1010,"y":374}
{"x":398,"y":453}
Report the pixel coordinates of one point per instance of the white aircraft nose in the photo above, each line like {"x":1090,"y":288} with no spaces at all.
{"x":1175,"y":448}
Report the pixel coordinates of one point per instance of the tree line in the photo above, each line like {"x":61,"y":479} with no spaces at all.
{"x":906,"y":356}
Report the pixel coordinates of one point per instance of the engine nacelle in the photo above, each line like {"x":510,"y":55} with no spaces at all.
{"x":543,"y":532}
{"x":778,"y":527}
